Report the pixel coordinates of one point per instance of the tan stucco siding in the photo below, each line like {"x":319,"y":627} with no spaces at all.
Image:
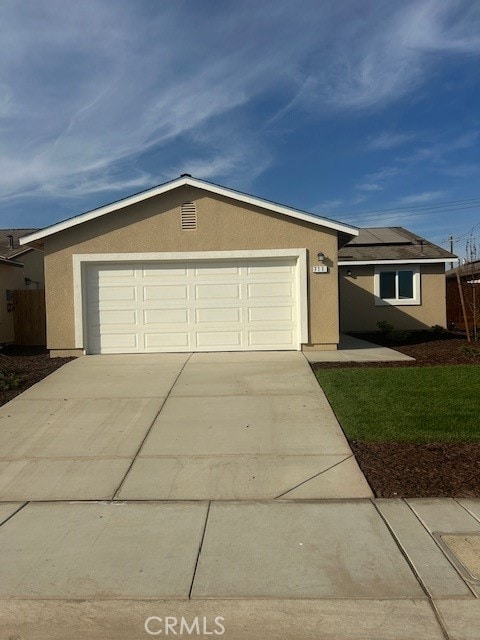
{"x":33,"y":268}
{"x":357,"y":303}
{"x":154,"y":226}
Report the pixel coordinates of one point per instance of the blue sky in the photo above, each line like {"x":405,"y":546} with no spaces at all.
{"x":345,"y":109}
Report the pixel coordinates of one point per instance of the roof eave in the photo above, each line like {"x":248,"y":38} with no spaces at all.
{"x":358,"y":263}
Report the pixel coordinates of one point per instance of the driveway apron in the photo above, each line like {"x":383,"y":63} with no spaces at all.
{"x":218,"y":426}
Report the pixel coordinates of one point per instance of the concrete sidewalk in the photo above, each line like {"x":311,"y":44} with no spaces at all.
{"x":351,"y":570}
{"x":221,"y":426}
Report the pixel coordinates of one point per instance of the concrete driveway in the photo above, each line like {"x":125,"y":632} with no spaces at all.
{"x":219,"y":426}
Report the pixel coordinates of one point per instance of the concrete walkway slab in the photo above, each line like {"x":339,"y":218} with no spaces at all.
{"x":78,"y":380}
{"x":101,"y":427}
{"x":342,"y":480}
{"x":438,"y":576}
{"x":61,"y":479}
{"x":240,"y":357}
{"x":472,"y":505}
{"x":351,"y":349}
{"x":128,"y":359}
{"x":101,"y":550}
{"x":234,"y":477}
{"x":287,"y":425}
{"x":228,"y":379}
{"x":461,"y":618}
{"x":443,"y":516}
{"x":315,"y":550}
{"x":270,"y":619}
{"x":7,"y":509}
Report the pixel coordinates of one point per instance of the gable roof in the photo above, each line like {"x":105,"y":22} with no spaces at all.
{"x":391,"y":244}
{"x":187,"y":180}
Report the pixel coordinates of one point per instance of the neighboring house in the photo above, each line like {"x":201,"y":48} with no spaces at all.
{"x":390,"y":274}
{"x":20,"y":268}
{"x":192,"y":266}
{"x":469,"y":277}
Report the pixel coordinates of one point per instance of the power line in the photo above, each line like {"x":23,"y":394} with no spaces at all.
{"x":452,"y":204}
{"x":406,"y":213}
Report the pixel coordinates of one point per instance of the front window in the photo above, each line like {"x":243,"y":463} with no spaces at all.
{"x":397,"y":286}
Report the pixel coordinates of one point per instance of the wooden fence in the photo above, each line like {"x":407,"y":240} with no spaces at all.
{"x":471,"y":296}
{"x":29,"y":317}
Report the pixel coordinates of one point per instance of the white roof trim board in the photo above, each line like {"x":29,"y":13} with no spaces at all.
{"x":192,"y":182}
{"x":360,"y":263}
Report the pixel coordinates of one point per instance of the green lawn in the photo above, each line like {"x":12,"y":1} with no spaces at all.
{"x":406,"y":404}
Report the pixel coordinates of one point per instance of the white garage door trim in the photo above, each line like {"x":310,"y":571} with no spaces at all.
{"x":81,"y":260}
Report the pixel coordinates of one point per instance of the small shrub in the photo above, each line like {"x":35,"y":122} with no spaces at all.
{"x":469,"y":350}
{"x":438,"y":330}
{"x":9,"y":380}
{"x":385,"y":327}
{"x":395,"y":335}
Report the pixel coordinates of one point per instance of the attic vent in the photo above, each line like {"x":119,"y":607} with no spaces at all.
{"x":189,"y":215}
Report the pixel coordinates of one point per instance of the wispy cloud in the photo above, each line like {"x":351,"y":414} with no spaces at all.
{"x":389,"y":140}
{"x":99,"y":97}
{"x":369,"y":186}
{"x":424,"y":197}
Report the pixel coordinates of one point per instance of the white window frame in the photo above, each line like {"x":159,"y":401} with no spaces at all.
{"x":398,"y":302}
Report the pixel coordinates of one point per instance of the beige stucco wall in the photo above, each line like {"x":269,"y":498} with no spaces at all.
{"x":11,"y":278}
{"x":223,"y":224}
{"x":357,"y":304}
{"x":33,"y":268}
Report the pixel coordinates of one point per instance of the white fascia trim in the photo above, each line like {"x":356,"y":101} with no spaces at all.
{"x":192,"y":182}
{"x":80,"y":260}
{"x":364,"y":263}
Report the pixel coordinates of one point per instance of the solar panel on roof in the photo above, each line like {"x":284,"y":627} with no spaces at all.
{"x":379,"y":236}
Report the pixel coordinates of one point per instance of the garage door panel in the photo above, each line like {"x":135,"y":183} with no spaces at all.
{"x":270,"y":290}
{"x":218,"y":315}
{"x":216,"y":270}
{"x":114,"y":272}
{"x":165,"y":316}
{"x":216,"y":291}
{"x":268,"y":314}
{"x":269,"y":338}
{"x":172,"y":339}
{"x":205,"y":306}
{"x":265,"y":270}
{"x":118,"y":340}
{"x":116,"y":316}
{"x":219,"y":339}
{"x":113,"y":293}
{"x":164,"y":271}
{"x":165,"y":292}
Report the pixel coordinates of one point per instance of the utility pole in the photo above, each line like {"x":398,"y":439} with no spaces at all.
{"x":451,"y":239}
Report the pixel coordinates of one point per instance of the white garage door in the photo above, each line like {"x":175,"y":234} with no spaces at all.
{"x":236,"y":305}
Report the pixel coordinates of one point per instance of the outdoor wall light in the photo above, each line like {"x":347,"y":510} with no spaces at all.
{"x":320,"y":256}
{"x":349,"y":273}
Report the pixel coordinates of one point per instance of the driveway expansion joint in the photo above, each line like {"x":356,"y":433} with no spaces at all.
{"x":164,"y":399}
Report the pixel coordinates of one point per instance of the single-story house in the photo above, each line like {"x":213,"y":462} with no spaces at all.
{"x":390,"y":274}
{"x":21,"y":267}
{"x":192,"y":266}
